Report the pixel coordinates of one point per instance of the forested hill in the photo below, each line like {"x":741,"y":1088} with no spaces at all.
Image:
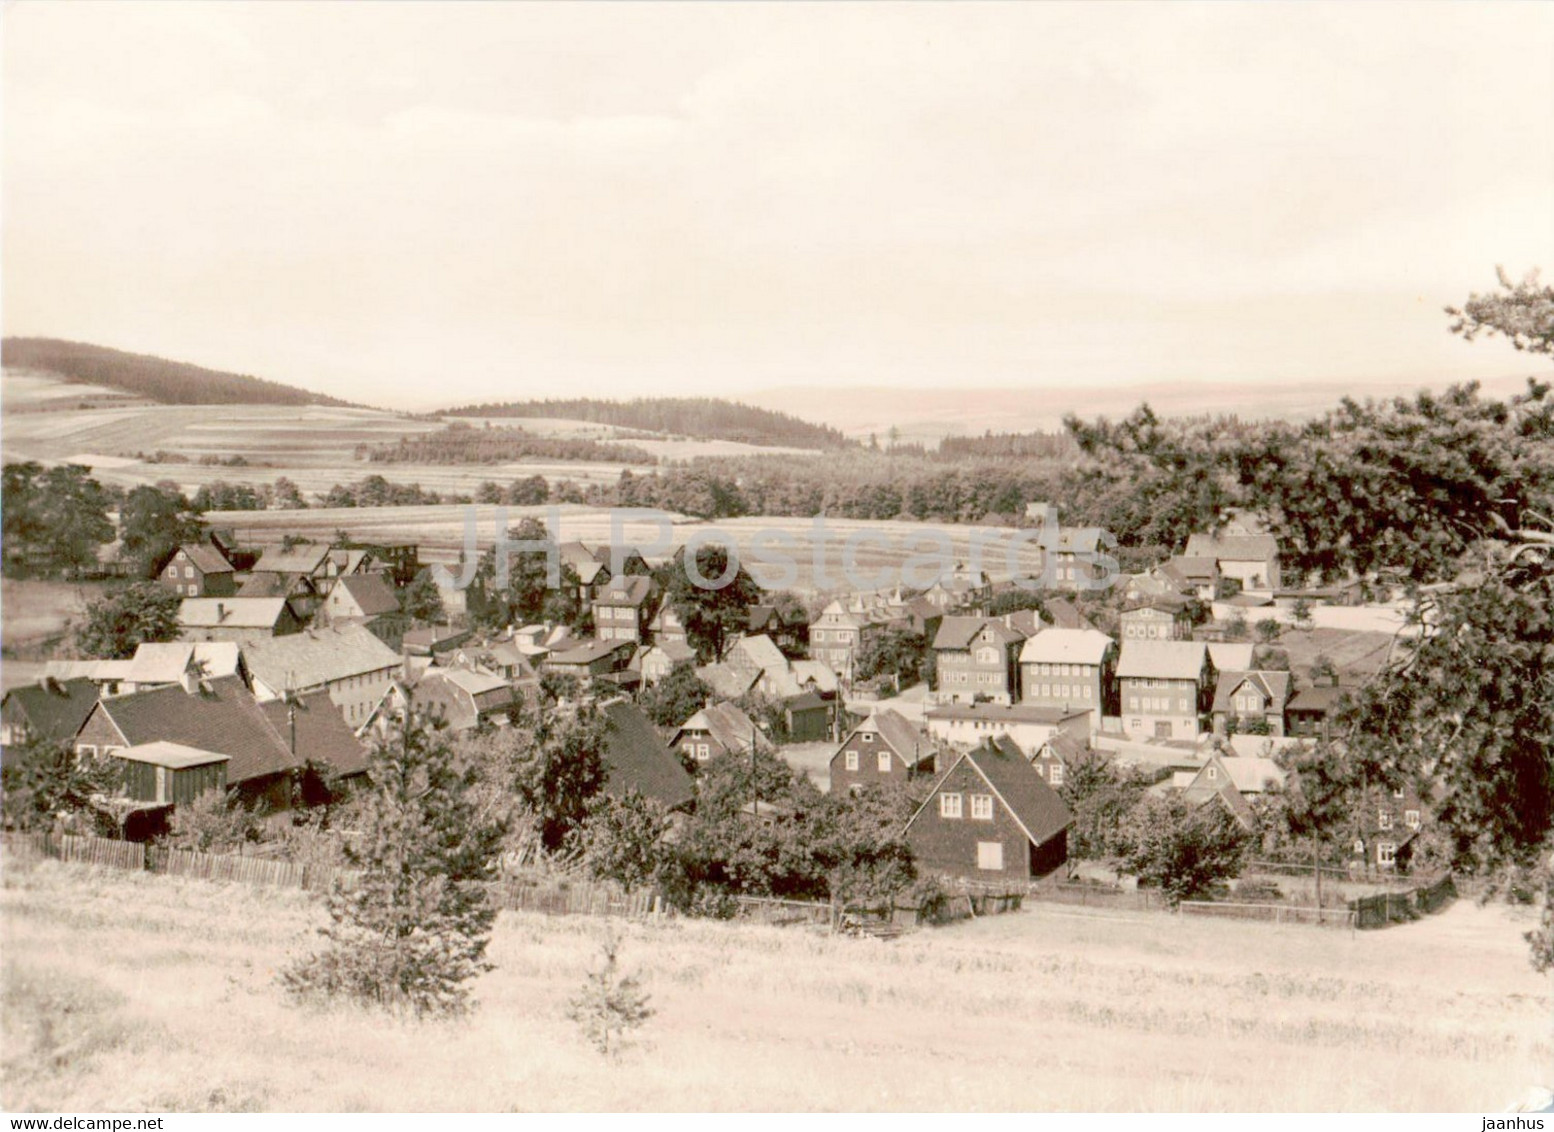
{"x":705,"y":418}
{"x":172,"y":383}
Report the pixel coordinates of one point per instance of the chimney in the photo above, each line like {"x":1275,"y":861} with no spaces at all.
{"x":52,"y":686}
{"x":221,"y":611}
{"x":190,"y":680}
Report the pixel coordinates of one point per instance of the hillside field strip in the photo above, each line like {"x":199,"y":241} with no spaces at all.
{"x":128,"y":992}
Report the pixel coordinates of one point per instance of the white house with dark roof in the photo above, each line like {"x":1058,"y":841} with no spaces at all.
{"x":242,"y":619}
{"x":1252,"y":560}
{"x":348,"y":662}
{"x":1030,"y":726}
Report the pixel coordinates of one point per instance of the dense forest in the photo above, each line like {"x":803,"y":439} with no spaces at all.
{"x":461,"y":444}
{"x":705,"y":418}
{"x":172,"y":383}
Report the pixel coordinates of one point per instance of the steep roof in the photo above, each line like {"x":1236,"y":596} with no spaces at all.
{"x":306,"y":560}
{"x":317,"y":656}
{"x":730,"y":726}
{"x":55,"y":709}
{"x":1066,"y":646}
{"x":957,"y":632}
{"x":1025,"y":793}
{"x":637,"y":759}
{"x":1232,"y":656}
{"x":1272,"y":684}
{"x":230,"y":612}
{"x":759,"y":651}
{"x":586,"y":652}
{"x":1232,"y":548}
{"x":263,"y":584}
{"x":1193,"y":567}
{"x":1064,"y":614}
{"x":1168,"y":660}
{"x":629,"y":589}
{"x":1172,"y":603}
{"x":206,"y":558}
{"x":1250,"y":774}
{"x":1322,"y":697}
{"x":895,"y":730}
{"x":323,"y":735}
{"x":371,"y":592}
{"x":222,"y":716}
{"x":726,"y":681}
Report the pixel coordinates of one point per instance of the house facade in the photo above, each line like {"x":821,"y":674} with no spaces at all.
{"x":348,"y":663}
{"x":1069,"y":669}
{"x":885,"y":747}
{"x":1166,"y":688}
{"x":1163,"y":617}
{"x":836,"y":639}
{"x":240,"y":619}
{"x":965,"y":725}
{"x":1252,"y":560}
{"x":1252,"y":703}
{"x":977,"y":660}
{"x":622,"y":608}
{"x":991,"y":819}
{"x":199,"y":570}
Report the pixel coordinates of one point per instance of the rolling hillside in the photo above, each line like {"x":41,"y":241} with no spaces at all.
{"x":707,"y":418}
{"x":156,"y":379}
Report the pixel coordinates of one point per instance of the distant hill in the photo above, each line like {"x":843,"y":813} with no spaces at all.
{"x":705,"y":418}
{"x":172,"y":383}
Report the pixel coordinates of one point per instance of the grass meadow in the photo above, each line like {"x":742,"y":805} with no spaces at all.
{"x":141,"y":992}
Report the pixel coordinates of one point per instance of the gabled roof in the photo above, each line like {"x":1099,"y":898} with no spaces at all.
{"x":317,"y":656}
{"x":1232,"y":656}
{"x":629,"y":589}
{"x":1322,"y":697}
{"x":1192,"y":568}
{"x":206,"y":558}
{"x":957,"y":632}
{"x":637,"y":759}
{"x":1233,"y":548}
{"x":1167,"y":660}
{"x":1026,"y":622}
{"x":1078,"y":540}
{"x":1202,"y":791}
{"x":586,"y":652}
{"x":1272,"y":685}
{"x":726,"y":723}
{"x":677,"y":651}
{"x":222,"y":716}
{"x":813,"y":672}
{"x":1251,"y":775}
{"x":1037,"y":808}
{"x":584,"y":562}
{"x":54,"y":709}
{"x":1063,"y":747}
{"x":895,"y":731}
{"x":435,"y":638}
{"x":1171,"y":603}
{"x":759,"y":651}
{"x":371,"y":592}
{"x":1066,"y":646}
{"x":726,"y":681}
{"x":165,"y":662}
{"x":230,"y":612}
{"x":1064,"y":614}
{"x":323,"y":735}
{"x":263,"y":584}
{"x":834,"y":615}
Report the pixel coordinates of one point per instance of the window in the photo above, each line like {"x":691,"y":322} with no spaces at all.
{"x":1055,"y":778}
{"x":868,"y":736}
{"x":703,"y":751}
{"x":884,"y":763}
{"x":990,"y":855}
{"x":1089,"y":692}
{"x":87,"y":749}
{"x":1386,"y":853}
{"x":987,"y":656}
{"x":188,"y":571}
{"x":161,"y":784}
{"x":949,"y":805}
{"x":1212,"y":774}
{"x":852,"y":760}
{"x":982,"y":807}
{"x":1397,"y":793}
{"x":1411,"y":819}
{"x":1383,"y":819}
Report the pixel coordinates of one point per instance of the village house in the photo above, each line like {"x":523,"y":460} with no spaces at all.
{"x":767,"y":621}
{"x":1054,"y":758}
{"x":883,"y":748}
{"x":1252,"y":560}
{"x":1030,"y":726}
{"x":1166,"y":688}
{"x":837,"y":639}
{"x":1386,"y":822}
{"x":1194,"y":576}
{"x":588,"y":660}
{"x":657,"y":661}
{"x":1163,"y":617}
{"x":267,"y":750}
{"x":1072,"y":669}
{"x":296,"y":589}
{"x":718,"y":729}
{"x":349,"y":663}
{"x":621,"y":609}
{"x":242,"y":619}
{"x":158,"y":663}
{"x":1233,"y":781}
{"x":160,"y":773}
{"x":309,"y":561}
{"x":1252,"y":702}
{"x":1310,"y":711}
{"x":360,"y":599}
{"x":666,"y":628}
{"x":977,"y":660}
{"x":462,"y":698}
{"x":432,"y":641}
{"x":49,"y":711}
{"x":962,"y":588}
{"x":198,"y":569}
{"x":810,"y":717}
{"x":992,"y":819}
{"x":1078,"y":561}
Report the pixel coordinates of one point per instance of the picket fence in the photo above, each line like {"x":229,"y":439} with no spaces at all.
{"x":1388,"y":908}
{"x":569,"y":898}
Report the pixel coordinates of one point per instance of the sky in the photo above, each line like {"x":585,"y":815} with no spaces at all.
{"x":419,"y":205}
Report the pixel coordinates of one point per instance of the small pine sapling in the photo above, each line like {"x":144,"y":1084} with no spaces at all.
{"x":611,"y":1003}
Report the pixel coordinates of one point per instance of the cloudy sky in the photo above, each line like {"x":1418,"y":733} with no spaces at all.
{"x":411,"y":204}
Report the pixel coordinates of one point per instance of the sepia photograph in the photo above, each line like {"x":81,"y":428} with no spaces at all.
{"x":754,"y":557}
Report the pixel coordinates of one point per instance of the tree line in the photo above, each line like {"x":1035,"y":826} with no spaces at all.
{"x":461,"y":444}
{"x":705,"y":418}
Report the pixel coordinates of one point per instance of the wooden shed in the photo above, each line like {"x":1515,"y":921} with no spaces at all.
{"x":163,"y":773}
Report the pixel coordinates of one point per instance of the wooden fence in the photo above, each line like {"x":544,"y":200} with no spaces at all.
{"x":1269,"y":913}
{"x":1100,"y":896}
{"x":1388,"y":908}
{"x":568,"y":898}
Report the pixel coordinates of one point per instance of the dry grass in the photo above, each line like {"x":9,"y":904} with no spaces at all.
{"x":130,"y":992}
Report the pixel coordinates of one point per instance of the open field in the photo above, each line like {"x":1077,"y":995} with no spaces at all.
{"x":1357,"y":656}
{"x":311,"y":445}
{"x":37,"y":614}
{"x":126,"y":992}
{"x":883,"y":546}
